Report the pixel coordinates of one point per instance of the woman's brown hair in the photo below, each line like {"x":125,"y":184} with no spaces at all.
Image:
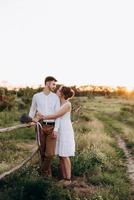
{"x":67,"y":92}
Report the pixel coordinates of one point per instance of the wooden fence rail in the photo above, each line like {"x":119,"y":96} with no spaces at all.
{"x":2,"y":130}
{"x":13,"y":127}
{"x":20,"y":165}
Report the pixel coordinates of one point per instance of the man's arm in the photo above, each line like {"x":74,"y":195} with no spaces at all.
{"x":33,"y":107}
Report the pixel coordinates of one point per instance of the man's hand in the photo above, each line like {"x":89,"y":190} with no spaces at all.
{"x":30,"y":124}
{"x":39,"y":116}
{"x":35,"y":120}
{"x":54,"y":134}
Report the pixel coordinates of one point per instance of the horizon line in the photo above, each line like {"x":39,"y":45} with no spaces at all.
{"x":10,"y":86}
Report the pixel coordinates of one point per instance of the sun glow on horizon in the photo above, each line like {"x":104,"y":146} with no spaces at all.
{"x":130,"y":88}
{"x":83,"y":86}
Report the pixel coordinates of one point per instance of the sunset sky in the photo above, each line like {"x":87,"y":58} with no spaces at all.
{"x":77,"y":41}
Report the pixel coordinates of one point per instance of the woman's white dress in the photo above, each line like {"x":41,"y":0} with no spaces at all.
{"x":65,"y":145}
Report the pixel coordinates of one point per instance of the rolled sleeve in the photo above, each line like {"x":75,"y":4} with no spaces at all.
{"x":33,"y":107}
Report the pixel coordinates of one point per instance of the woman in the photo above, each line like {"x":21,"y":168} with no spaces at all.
{"x":65,"y":146}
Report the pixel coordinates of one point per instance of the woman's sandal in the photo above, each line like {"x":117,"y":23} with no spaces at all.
{"x":66,"y":182}
{"x":61,"y":181}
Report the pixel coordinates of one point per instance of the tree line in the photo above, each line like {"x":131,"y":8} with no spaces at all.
{"x":21,"y":98}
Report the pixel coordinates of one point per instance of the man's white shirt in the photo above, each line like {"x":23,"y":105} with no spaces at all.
{"x":46,"y":105}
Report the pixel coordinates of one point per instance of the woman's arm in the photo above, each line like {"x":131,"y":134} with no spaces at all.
{"x":58,"y":114}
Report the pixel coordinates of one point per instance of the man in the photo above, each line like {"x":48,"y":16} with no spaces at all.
{"x":46,"y":103}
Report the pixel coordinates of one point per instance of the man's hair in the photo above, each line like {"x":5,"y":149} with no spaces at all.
{"x":50,"y":78}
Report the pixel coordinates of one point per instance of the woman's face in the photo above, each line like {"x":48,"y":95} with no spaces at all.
{"x":59,"y":92}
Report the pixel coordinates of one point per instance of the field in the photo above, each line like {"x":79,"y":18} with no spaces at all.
{"x":102,"y":168}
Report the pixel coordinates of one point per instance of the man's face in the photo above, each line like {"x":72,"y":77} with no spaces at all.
{"x":51,"y":85}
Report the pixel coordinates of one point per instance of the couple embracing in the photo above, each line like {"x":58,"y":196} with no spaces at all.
{"x":57,"y":138}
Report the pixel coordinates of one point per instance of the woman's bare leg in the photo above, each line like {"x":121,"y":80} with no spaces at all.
{"x":62,"y":167}
{"x":67,"y":167}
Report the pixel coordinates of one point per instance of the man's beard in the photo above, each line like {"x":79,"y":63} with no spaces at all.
{"x":51,"y":89}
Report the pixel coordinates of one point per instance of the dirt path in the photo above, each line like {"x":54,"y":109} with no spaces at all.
{"x":130,"y":161}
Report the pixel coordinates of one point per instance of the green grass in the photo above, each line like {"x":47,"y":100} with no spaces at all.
{"x":26,"y":184}
{"x":9,"y":118}
{"x":121,"y":122}
{"x":98,"y":159}
{"x":19,"y":134}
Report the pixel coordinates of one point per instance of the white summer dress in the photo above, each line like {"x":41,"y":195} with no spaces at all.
{"x":65,"y":145}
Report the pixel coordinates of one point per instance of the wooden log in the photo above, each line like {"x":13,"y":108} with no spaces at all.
{"x":15,"y":127}
{"x":77,"y":110}
{"x":20,"y":165}
{"x":25,"y":125}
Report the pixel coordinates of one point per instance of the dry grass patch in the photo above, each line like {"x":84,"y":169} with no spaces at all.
{"x":96,"y":138}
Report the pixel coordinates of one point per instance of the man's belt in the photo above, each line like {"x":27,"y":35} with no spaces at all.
{"x":48,"y":123}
